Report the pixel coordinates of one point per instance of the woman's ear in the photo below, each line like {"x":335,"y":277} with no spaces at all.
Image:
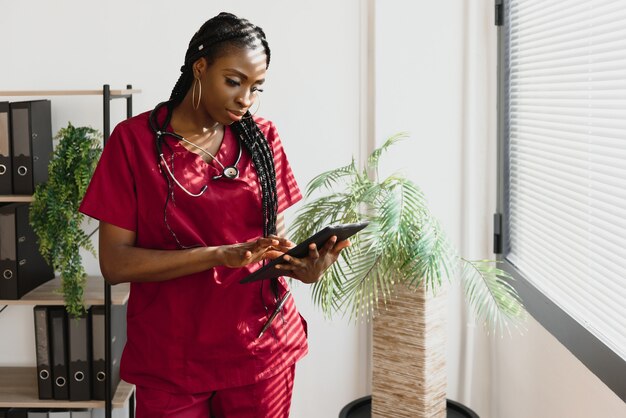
{"x":199,"y":67}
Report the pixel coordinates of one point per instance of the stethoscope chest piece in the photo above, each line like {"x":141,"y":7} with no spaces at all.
{"x":231,"y":172}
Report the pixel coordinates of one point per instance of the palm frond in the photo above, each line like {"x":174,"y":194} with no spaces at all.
{"x":320,"y":212}
{"x":328,"y":178}
{"x":374,"y":157}
{"x":366,"y":283}
{"x":326,"y":293}
{"x":491,"y":295}
{"x":429,"y":258}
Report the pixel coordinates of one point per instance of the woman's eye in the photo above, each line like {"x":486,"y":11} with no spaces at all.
{"x":257,"y":90}
{"x":232,"y":82}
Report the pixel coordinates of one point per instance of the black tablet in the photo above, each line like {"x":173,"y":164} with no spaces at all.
{"x":342,"y":231}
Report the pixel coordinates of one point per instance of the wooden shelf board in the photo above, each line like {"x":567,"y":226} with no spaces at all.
{"x":16,"y":198}
{"x":31,"y":93}
{"x":18,"y":389}
{"x":48,"y":293}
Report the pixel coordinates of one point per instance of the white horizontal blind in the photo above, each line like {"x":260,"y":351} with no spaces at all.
{"x":566,"y":117}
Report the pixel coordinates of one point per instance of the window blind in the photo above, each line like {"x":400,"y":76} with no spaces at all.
{"x":565,"y":128}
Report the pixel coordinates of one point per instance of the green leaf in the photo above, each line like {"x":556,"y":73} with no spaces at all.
{"x":329,"y":178}
{"x":490,"y":293}
{"x":54,"y":213}
{"x":374,"y":157}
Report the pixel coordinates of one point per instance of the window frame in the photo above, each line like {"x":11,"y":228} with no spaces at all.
{"x":607,"y":365}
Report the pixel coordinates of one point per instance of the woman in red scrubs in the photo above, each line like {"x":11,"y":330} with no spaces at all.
{"x":185,"y":223}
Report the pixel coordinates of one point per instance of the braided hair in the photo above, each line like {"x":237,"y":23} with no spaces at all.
{"x":211,"y":41}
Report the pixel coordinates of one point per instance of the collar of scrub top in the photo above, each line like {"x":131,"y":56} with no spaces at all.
{"x":229,"y":172}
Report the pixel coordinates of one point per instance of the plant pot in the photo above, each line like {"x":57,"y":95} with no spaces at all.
{"x":362,"y":408}
{"x":409,"y":355}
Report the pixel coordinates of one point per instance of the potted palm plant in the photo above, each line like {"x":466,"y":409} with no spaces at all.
{"x":402,"y":255}
{"x":54,"y":211}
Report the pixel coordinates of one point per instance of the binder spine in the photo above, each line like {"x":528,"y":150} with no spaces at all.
{"x":118,"y":340}
{"x":42,"y":342}
{"x":79,"y":358}
{"x":31,"y":143}
{"x":32,"y":268}
{"x":98,"y":376}
{"x":6,"y":168}
{"x":41,"y":140}
{"x":58,"y":338}
{"x":22,"y":267}
{"x":8,"y":254}
{"x":20,"y":145}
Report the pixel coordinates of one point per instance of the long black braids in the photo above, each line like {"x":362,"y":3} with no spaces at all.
{"x":210,"y":41}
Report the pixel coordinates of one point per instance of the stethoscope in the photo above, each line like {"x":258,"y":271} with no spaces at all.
{"x":230,"y":172}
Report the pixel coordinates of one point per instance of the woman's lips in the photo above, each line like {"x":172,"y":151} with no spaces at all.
{"x":235,"y":116}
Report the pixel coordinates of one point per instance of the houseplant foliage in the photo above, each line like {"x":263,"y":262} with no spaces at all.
{"x":54,"y":212}
{"x":403,"y":243}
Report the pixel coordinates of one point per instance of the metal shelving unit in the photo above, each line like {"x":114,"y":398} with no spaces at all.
{"x":18,"y":386}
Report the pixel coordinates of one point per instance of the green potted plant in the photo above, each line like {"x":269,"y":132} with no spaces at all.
{"x":403,"y":253}
{"x":54,"y":213}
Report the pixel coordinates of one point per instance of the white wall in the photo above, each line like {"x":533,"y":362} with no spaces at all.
{"x":312,"y":94}
{"x":436,"y":78}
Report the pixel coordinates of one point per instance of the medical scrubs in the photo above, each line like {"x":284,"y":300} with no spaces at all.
{"x":196,"y":333}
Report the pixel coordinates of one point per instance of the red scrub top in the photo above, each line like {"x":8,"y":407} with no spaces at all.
{"x":196,"y":333}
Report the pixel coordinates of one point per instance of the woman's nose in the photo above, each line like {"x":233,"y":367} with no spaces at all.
{"x":245,"y":100}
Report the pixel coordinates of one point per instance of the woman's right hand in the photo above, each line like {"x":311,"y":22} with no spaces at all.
{"x":266,"y":248}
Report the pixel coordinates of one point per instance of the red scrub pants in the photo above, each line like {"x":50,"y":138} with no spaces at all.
{"x":269,"y":398}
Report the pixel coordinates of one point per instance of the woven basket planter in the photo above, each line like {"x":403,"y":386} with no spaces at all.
{"x":409,"y":356}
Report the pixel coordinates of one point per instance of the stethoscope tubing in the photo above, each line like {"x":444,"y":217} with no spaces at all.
{"x":167,"y":167}
{"x":229,"y":172}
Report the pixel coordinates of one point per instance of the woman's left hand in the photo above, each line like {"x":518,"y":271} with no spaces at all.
{"x":309,"y":269}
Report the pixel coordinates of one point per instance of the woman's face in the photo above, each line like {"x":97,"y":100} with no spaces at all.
{"x":232,"y":83}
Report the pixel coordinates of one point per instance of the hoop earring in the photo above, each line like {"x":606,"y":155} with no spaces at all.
{"x":258,"y":100}
{"x":193,"y":93}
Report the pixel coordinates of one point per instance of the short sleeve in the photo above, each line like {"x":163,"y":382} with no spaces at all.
{"x":287,"y":188}
{"x":111,"y":194}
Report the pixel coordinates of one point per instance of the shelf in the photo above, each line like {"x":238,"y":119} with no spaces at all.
{"x":18,"y":385}
{"x":30,"y":93}
{"x":16,"y":198}
{"x":18,"y":389}
{"x":48,"y":293}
